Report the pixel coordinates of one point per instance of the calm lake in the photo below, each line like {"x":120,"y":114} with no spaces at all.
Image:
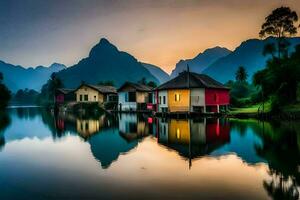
{"x":139,"y":157}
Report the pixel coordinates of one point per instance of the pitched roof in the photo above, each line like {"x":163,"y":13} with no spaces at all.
{"x":196,"y":81}
{"x":136,"y":87}
{"x":105,"y":89}
{"x":65,"y":90}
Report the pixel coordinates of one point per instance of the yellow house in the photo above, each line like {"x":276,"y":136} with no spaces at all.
{"x":87,"y":93}
{"x":179,"y":100}
{"x":192,"y":92}
{"x":86,"y":128}
{"x":179,"y":132}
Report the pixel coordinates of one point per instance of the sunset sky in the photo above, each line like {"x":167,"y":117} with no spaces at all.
{"x":40,"y":32}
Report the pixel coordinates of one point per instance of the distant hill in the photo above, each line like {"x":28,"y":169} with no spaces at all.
{"x":248,"y":54}
{"x":104,"y":63}
{"x":201,"y":61}
{"x":156,"y":71}
{"x":18,"y":77}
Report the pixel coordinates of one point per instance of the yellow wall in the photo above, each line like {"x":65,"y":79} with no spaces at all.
{"x":182,"y":104}
{"x":87,"y":128}
{"x":93,"y":95}
{"x":179,"y":131}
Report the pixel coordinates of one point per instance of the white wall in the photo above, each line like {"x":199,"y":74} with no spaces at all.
{"x":163,"y":131}
{"x":161,"y":104}
{"x":126,"y":106}
{"x":197,"y":97}
{"x":198,"y":131}
{"x":125,"y":120}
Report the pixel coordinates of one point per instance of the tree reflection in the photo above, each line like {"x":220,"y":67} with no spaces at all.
{"x":280,"y":149}
{"x":4,"y":123}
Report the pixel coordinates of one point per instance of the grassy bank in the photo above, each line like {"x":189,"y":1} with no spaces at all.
{"x":287,"y":112}
{"x":252,"y":109}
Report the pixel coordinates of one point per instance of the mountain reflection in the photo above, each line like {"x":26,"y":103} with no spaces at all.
{"x":275,"y":143}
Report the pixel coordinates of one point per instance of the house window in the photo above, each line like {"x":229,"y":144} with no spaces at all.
{"x":80,"y":97}
{"x":178,"y":133}
{"x":177,"y":97}
{"x":164,"y":99}
{"x":131,"y":97}
{"x":95,"y":98}
{"x":159,"y":99}
{"x":86,"y":97}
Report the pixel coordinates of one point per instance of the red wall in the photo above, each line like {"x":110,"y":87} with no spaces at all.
{"x":60,"y":98}
{"x":216,"y":97}
{"x":217,"y":131}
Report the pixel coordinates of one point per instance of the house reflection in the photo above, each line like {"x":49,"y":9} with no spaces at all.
{"x":88,"y":127}
{"x":82,"y":126}
{"x":193,"y":137}
{"x":132,"y":127}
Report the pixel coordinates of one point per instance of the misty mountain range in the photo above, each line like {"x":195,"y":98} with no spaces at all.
{"x":201,"y":61}
{"x":105,"y":62}
{"x":17,"y":77}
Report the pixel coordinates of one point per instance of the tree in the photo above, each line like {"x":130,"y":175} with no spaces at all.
{"x":241,"y":74}
{"x":4,"y":93}
{"x":280,"y":24}
{"x":48,"y":89}
{"x":269,"y":49}
{"x":152,"y":84}
{"x":143,"y":81}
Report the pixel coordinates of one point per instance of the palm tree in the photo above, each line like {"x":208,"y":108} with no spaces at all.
{"x":241,"y":74}
{"x":269,"y":49}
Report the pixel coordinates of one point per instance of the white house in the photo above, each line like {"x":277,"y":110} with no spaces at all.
{"x":134,"y":96}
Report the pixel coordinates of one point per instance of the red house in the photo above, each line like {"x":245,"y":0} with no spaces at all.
{"x":63,"y":95}
{"x":192,"y":92}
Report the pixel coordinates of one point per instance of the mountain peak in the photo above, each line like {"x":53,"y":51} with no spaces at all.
{"x":201,"y":61}
{"x":103,"y":47}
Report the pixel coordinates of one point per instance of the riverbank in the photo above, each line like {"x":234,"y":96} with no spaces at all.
{"x":288,"y":112}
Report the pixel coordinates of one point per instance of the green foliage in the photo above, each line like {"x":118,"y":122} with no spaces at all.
{"x":241,"y":74}
{"x":48,"y":90}
{"x":143,"y":81}
{"x":269,"y":49}
{"x":152,"y":84}
{"x":88,"y":109}
{"x":280,"y":79}
{"x":241,"y":93}
{"x":25,"y":96}
{"x":5,"y":94}
{"x":107,"y":83}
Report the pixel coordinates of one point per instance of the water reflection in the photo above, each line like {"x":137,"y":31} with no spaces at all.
{"x":112,"y":138}
{"x":193,"y":138}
